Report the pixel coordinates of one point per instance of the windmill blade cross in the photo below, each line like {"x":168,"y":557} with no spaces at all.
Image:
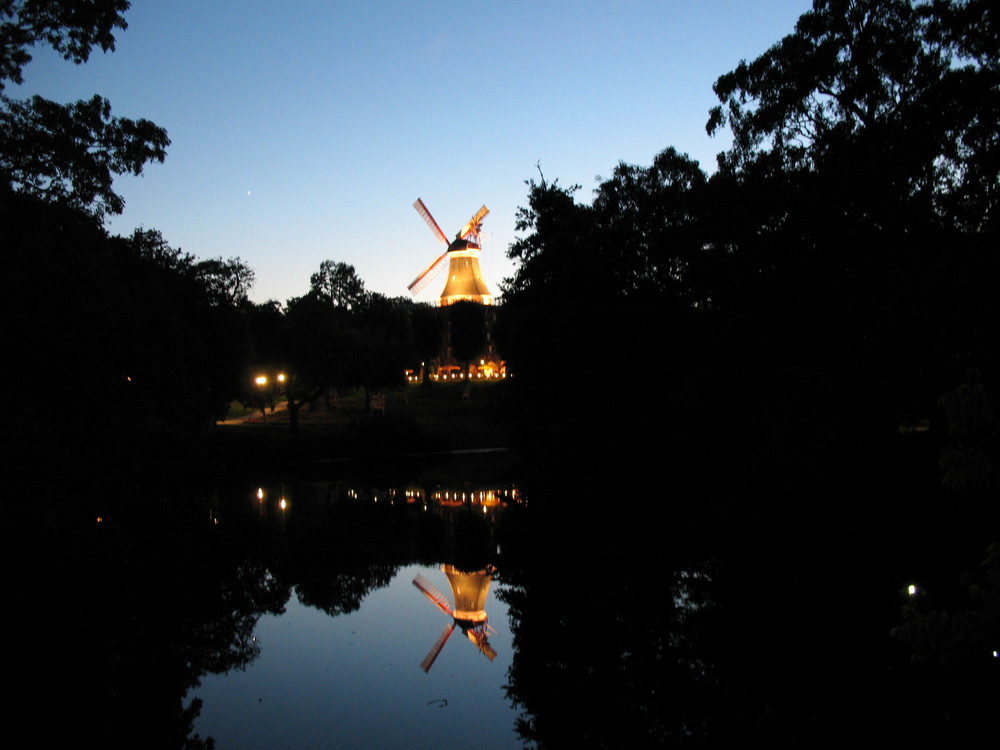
{"x":436,"y":648}
{"x":422,"y":210}
{"x":433,"y":594}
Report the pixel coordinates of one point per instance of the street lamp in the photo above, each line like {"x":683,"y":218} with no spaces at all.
{"x":261,"y":381}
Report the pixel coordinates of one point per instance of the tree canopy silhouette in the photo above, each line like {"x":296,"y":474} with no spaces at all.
{"x":827,"y":283}
{"x":68,"y":153}
{"x":902,"y":94}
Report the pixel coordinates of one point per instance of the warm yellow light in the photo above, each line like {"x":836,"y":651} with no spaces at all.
{"x":260,"y":380}
{"x":281,"y":377}
{"x":260,"y":493}
{"x":911,"y":590}
{"x":283,"y":504}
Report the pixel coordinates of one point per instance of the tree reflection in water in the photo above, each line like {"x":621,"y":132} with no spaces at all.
{"x":122,"y":613}
{"x":706,"y":625}
{"x":745,"y":624}
{"x":127,"y":602}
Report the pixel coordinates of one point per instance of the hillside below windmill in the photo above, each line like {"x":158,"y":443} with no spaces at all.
{"x":417,"y":419}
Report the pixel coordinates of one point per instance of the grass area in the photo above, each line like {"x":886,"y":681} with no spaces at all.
{"x":237,"y":409}
{"x":437,"y":415}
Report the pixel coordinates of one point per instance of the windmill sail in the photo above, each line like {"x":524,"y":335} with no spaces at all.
{"x":428,"y":274}
{"x":432,"y":593}
{"x":436,"y":648}
{"x":422,"y":210}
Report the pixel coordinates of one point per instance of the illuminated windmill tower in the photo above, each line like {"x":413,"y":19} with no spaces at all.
{"x":465,"y":280}
{"x":469,"y":613}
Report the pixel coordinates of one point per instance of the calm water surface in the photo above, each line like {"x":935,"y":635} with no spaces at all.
{"x":355,"y":680}
{"x":622,"y":615}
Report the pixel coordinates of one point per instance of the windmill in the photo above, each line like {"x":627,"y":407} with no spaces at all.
{"x":465,"y":281}
{"x":469,"y":613}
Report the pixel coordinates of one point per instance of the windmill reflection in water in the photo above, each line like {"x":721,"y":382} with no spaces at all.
{"x":469,"y":592}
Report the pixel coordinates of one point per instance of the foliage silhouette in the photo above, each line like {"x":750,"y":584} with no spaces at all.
{"x":790,"y":311}
{"x":338,"y":284}
{"x":467,"y":331}
{"x":68,"y":153}
{"x":119,"y":343}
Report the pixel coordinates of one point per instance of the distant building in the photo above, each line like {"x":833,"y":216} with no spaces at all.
{"x":464,"y":284}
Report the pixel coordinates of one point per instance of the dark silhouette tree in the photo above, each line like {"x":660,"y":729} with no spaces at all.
{"x":467,"y":331}
{"x":865,"y":147}
{"x":72,"y":29}
{"x":340,"y":336}
{"x":386,"y":337}
{"x":119,"y":342}
{"x":338,"y":284}
{"x":177,"y":343}
{"x":650,"y":220}
{"x":67,"y":153}
{"x":826,"y":284}
{"x":899,"y":98}
{"x":318,"y":348}
{"x":429,"y":325}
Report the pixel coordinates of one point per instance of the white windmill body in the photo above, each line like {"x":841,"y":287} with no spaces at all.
{"x":465,"y":279}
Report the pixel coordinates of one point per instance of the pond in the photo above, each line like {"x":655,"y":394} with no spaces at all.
{"x":356,"y":680}
{"x":372,"y":650}
{"x":578,"y":612}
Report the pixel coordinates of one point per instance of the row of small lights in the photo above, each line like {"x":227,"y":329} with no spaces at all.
{"x":261,"y":380}
{"x":483,"y":497}
{"x":457,"y":376}
{"x":491,"y":374}
{"x":486,"y":497}
{"x":461,"y":376}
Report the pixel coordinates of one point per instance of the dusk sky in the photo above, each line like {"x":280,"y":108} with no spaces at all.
{"x":304,"y":130}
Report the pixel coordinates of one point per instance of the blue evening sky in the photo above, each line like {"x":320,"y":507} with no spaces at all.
{"x":304,"y":130}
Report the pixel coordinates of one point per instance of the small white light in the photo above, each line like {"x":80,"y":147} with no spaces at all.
{"x":911,"y":589}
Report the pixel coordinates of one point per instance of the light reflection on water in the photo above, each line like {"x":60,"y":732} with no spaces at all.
{"x":355,"y":680}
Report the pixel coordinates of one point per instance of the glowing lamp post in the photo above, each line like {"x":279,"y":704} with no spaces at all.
{"x":261,"y":381}
{"x":271,"y":387}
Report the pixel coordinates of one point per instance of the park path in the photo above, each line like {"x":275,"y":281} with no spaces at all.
{"x":254,"y":417}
